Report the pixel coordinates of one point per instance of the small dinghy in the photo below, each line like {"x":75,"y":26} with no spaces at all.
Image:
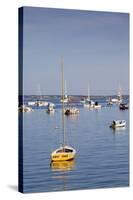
{"x":118,"y":124}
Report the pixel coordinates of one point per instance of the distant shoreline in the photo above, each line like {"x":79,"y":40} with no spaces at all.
{"x":35,"y":95}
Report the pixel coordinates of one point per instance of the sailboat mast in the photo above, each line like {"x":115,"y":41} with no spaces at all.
{"x":119,"y":94}
{"x":63,"y":120}
{"x":40,"y":94}
{"x":65,"y":89}
{"x":88,"y":92}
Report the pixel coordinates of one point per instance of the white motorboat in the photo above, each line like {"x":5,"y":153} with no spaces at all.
{"x":71,"y":111}
{"x":118,"y":124}
{"x":24,"y":108}
{"x":114,"y":100}
{"x":89,"y":104}
{"x":31,"y":103}
{"x":41,"y":103}
{"x":82,"y":100}
{"x":38,"y":103}
{"x":97,"y":105}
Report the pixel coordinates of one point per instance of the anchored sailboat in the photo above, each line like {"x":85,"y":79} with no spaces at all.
{"x":65,"y":99}
{"x":64,"y":153}
{"x":88,"y":98}
{"x":50,"y":108}
{"x":39,"y":102}
{"x":119,"y":96}
{"x":89,"y":103}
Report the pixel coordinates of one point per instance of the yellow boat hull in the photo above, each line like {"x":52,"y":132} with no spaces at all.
{"x":60,"y":155}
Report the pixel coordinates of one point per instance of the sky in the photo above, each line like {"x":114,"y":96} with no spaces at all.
{"x":94,"y":47}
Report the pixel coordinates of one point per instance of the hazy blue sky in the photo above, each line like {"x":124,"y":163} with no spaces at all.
{"x":94,"y":47}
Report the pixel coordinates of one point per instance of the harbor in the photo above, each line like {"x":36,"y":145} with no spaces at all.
{"x":102,"y":152}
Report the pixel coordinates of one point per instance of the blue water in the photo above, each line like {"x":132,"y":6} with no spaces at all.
{"x":102,"y":159}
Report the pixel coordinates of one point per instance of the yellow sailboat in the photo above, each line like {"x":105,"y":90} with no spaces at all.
{"x":65,"y":152}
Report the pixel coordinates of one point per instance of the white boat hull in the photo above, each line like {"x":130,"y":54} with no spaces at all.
{"x":118,"y":124}
{"x":71,"y":111}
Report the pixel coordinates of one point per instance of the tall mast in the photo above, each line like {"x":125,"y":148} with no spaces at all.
{"x":65,"y":89}
{"x":39,"y":90}
{"x":63,"y":120}
{"x":119,"y":95}
{"x":88,"y":92}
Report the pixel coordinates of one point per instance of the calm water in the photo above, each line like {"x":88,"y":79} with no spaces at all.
{"x":102,"y":154}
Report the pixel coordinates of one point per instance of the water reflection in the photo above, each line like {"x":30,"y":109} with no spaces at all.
{"x":62,"y":165}
{"x":118,"y":130}
{"x":72,"y":117}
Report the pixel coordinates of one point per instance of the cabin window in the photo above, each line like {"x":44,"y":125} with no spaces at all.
{"x":64,"y":150}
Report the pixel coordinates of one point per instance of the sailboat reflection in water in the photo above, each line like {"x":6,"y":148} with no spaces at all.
{"x":62,"y":165}
{"x":64,"y":153}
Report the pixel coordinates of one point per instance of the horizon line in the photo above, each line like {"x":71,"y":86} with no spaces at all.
{"x":71,"y":95}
